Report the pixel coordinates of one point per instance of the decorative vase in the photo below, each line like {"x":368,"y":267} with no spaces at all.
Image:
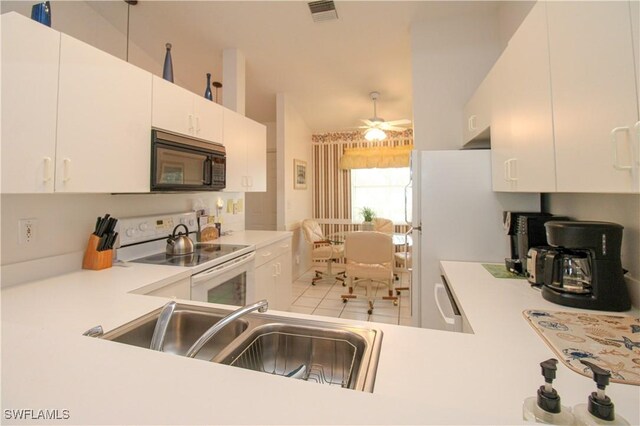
{"x":207,"y":92}
{"x":167,"y":71}
{"x":41,"y":12}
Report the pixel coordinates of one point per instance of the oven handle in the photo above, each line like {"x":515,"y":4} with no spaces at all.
{"x":232,"y":264}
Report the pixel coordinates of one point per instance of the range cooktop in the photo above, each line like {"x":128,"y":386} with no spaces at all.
{"x":203,"y":253}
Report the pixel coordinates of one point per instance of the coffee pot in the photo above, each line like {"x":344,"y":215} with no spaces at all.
{"x":179,"y":244}
{"x":583,"y":269}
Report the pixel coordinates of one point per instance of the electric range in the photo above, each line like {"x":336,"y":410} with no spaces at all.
{"x":143,"y":240}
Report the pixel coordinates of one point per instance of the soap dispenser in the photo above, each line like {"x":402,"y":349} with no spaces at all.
{"x":545,"y":407}
{"x":599,"y":410}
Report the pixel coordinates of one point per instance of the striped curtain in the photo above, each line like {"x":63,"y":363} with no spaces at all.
{"x":332,"y":188}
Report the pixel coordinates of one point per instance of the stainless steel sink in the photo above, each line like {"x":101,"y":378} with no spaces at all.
{"x":185,"y":327}
{"x":315,"y":351}
{"x":321,"y":354}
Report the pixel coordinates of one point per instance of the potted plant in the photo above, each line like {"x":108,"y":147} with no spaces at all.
{"x":367,"y":214}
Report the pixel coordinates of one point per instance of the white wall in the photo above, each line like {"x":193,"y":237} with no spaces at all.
{"x":66,"y":220}
{"x":618,"y":208}
{"x":294,"y":205}
{"x":450,"y":58}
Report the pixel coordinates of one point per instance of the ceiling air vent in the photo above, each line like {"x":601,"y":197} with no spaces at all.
{"x":323,"y":10}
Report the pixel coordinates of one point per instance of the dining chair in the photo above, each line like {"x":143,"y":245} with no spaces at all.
{"x":369,"y":259}
{"x":383,"y":225}
{"x":322,"y":250}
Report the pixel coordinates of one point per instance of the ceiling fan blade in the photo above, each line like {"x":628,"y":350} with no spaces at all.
{"x":367,"y":122}
{"x":394,"y":128}
{"x":399,"y":122}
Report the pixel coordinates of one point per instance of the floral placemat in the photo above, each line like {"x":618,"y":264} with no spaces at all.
{"x":609,"y":341}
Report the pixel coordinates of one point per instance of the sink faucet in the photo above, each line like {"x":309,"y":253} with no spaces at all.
{"x":159,"y":333}
{"x":260,"y":306}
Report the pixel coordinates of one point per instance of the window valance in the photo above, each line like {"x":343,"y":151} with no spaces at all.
{"x":376,"y":157}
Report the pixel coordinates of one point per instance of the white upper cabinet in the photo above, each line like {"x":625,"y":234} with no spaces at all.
{"x":104,"y":122}
{"x":477,"y":113}
{"x":30,"y":57}
{"x":246,"y":145}
{"x":595,"y":102}
{"x":178,"y":110}
{"x":522,"y":144}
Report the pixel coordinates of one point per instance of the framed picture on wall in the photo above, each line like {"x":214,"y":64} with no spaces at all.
{"x":299,"y":174}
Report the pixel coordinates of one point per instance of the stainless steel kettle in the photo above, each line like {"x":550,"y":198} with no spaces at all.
{"x":179,"y":244}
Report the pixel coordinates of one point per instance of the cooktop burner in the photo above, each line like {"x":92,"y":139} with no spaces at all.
{"x":203,"y":253}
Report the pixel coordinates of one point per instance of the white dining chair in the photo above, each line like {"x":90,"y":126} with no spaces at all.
{"x":369,"y":259}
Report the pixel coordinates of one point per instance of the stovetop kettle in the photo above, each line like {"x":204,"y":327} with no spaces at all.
{"x":179,"y":244}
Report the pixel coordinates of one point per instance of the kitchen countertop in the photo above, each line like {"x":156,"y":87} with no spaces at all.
{"x":424,"y":376}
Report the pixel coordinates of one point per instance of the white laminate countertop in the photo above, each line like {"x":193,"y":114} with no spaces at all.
{"x":424,"y":376}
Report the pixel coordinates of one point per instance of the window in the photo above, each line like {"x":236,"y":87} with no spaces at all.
{"x":382,"y":190}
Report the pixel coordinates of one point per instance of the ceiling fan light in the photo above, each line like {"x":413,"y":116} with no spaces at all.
{"x":374,"y":134}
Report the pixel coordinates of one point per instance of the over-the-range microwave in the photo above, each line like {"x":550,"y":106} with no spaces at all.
{"x":181,"y":163}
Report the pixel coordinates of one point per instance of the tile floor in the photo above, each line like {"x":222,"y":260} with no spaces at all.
{"x":324,"y":299}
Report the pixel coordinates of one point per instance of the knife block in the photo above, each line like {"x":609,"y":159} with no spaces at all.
{"x":94,"y":259}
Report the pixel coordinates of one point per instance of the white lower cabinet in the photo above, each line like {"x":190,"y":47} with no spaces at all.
{"x":180,"y":289}
{"x":273,"y":274}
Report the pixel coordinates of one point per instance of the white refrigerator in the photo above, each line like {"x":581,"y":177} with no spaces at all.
{"x":455,"y":215}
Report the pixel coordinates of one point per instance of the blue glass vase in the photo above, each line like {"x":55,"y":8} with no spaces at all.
{"x":167,"y":71}
{"x":41,"y":12}
{"x":207,"y":92}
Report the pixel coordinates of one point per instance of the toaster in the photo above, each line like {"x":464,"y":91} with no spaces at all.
{"x":535,"y":264}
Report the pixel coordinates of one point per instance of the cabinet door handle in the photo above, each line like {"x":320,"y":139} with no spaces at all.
{"x":249,"y":181}
{"x":197,"y":124}
{"x":505,"y":170}
{"x":472,"y":123}
{"x":266,"y":254}
{"x":275,"y":271}
{"x":47,"y":169}
{"x":279,"y":268}
{"x":614,"y":143}
{"x":190,"y":123}
{"x":66,"y":173}
{"x":511,"y":176}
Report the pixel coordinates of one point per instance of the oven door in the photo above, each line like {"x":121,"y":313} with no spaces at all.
{"x":231,"y":283}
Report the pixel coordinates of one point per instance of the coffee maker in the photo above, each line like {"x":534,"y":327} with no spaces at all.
{"x":525,"y":230}
{"x":584,"y":269}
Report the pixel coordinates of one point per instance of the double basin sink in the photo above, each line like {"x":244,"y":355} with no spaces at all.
{"x":311,"y":350}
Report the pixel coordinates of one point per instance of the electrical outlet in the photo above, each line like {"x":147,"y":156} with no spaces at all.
{"x":27,"y":230}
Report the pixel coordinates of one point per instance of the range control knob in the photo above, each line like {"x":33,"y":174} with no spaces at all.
{"x":143,"y":226}
{"x":131,"y":232}
{"x":192,"y":222}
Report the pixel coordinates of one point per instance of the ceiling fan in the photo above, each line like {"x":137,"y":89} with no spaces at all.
{"x":376,"y":126}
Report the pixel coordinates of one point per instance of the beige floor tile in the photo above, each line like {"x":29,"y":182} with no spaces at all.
{"x":318,"y":292}
{"x":383,"y":319}
{"x":355,"y":316}
{"x":387,"y":311}
{"x":301,"y":309}
{"x":296,"y":291}
{"x":328,"y":312}
{"x":331,"y":304}
{"x":310,"y":302}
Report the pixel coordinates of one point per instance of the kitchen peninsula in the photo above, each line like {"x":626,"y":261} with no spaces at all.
{"x":424,"y":376}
